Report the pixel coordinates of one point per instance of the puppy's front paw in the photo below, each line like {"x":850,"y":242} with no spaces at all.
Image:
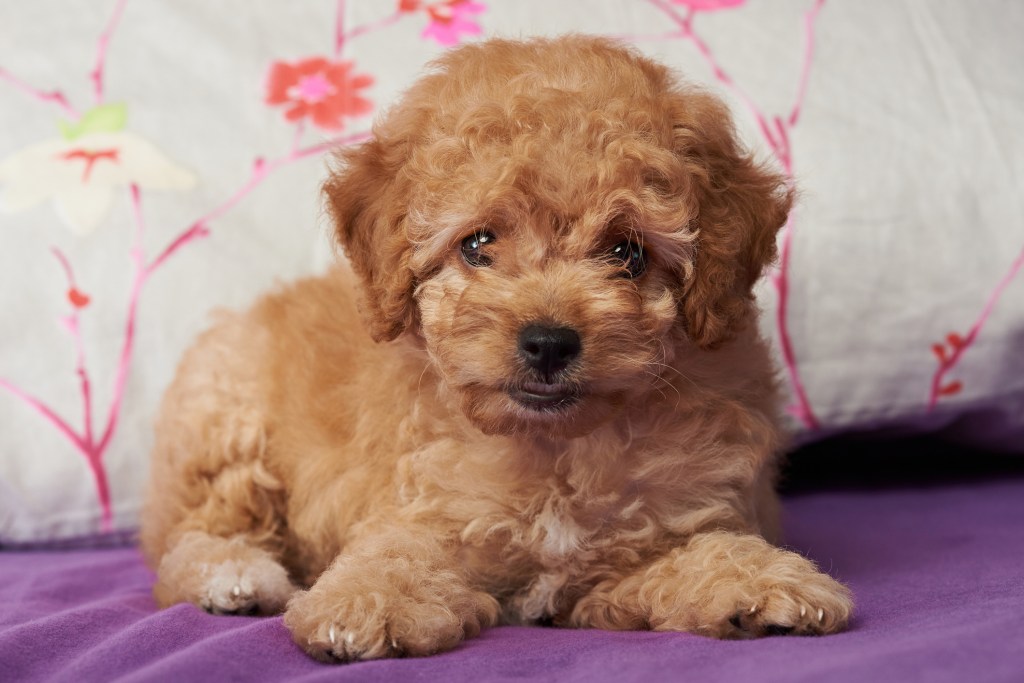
{"x":354,"y":615}
{"x":747,"y":588}
{"x":722,"y":585}
{"x":223,"y":576}
{"x":802,"y":603}
{"x":256,"y":586}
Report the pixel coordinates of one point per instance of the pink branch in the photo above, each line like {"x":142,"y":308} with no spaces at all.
{"x":101,"y":50}
{"x":802,"y":410}
{"x":55,"y":96}
{"x":124,"y":362}
{"x":260,"y":171}
{"x":960,"y":346}
{"x":340,"y":37}
{"x":809,"y":22}
{"x":86,"y":445}
{"x":48,"y":414}
{"x":194,"y":232}
{"x":96,"y":75}
{"x":83,"y":443}
{"x":339,"y":29}
{"x":74,"y":328}
{"x":374,"y":26}
{"x":92,"y":450}
{"x":776,"y":133}
{"x":686,"y":27}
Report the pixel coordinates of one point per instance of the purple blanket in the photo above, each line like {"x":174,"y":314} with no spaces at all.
{"x":937,"y":574}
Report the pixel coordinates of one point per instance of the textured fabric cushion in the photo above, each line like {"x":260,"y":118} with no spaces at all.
{"x":896,"y":304}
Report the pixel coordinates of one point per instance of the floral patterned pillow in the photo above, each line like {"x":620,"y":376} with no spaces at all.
{"x":179,"y":174}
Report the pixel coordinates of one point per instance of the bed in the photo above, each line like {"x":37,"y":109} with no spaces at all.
{"x":158,"y":161}
{"x":931,"y":547}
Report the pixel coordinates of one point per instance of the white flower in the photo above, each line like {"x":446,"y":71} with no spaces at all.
{"x":83,"y":174}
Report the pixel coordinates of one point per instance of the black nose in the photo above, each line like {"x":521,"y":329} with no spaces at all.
{"x":548,"y":349}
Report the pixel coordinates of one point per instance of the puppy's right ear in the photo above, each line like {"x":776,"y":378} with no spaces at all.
{"x":742,"y":204}
{"x":369,"y":221}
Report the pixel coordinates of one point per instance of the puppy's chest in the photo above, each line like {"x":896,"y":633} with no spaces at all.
{"x":537,"y":561}
{"x":563,"y":534}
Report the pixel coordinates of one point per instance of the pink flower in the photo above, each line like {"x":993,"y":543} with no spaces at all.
{"x":318,"y":89}
{"x":448,"y":18}
{"x":709,"y":5}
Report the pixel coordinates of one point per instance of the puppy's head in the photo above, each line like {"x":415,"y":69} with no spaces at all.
{"x":558,"y":220}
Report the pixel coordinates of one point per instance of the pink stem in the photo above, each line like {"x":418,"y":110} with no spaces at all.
{"x":48,"y":414}
{"x":74,"y":328}
{"x":686,"y":26}
{"x":124,"y":362}
{"x":83,"y":443}
{"x":92,"y":450}
{"x":340,"y":37}
{"x":776,"y":134}
{"x":374,"y":26}
{"x":194,"y":232}
{"x":809,"y":22}
{"x":54,"y":96}
{"x":93,"y":458}
{"x":949,"y":363}
{"x":101,"y":50}
{"x":99,"y":475}
{"x":261,"y":169}
{"x":339,"y":29}
{"x":802,"y":410}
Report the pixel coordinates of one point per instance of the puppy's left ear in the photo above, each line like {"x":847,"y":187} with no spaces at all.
{"x":369,"y":218}
{"x":741,"y":206}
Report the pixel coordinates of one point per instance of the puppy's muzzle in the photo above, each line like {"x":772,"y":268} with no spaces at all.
{"x":548,"y":351}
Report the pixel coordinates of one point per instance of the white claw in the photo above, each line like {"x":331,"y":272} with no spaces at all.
{"x":821,"y":615}
{"x":753,"y":608}
{"x":330,"y":634}
{"x":236,"y":591}
{"x":350,"y":638}
{"x":803,"y":611}
{"x":394,"y":644}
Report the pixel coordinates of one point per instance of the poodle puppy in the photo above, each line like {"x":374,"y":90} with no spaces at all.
{"x":536,"y":394}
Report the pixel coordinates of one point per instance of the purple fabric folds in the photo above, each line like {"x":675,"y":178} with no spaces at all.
{"x":937,"y":575}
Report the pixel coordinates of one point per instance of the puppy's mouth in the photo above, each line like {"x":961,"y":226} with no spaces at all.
{"x":544,"y":396}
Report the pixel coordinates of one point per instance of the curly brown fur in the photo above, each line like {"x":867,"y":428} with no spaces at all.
{"x":396,"y":471}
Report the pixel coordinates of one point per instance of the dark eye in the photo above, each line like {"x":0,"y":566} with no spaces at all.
{"x":630,"y":257}
{"x":474,"y":248}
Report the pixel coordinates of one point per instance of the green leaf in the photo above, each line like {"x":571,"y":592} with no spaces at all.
{"x":67,"y":129}
{"x":106,"y":118}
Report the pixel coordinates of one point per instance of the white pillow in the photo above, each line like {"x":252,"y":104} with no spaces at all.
{"x":907,"y":150}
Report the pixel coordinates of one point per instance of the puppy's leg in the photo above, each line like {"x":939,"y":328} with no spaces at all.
{"x":399,"y":592}
{"x":212,"y":528}
{"x":724,"y":585}
{"x":223,"y":554}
